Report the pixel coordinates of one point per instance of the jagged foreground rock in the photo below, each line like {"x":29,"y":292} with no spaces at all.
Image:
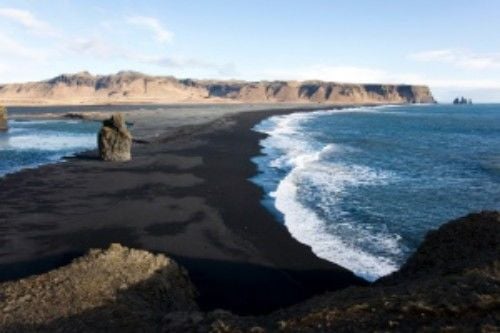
{"x":117,"y":287}
{"x":114,"y":140}
{"x":3,"y":118}
{"x":451,"y":284}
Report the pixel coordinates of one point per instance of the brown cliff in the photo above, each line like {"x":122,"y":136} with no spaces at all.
{"x":133,"y":87}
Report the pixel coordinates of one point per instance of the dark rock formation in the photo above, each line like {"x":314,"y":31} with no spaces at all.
{"x":117,"y":287}
{"x":464,"y":244}
{"x":134,"y":87}
{"x":451,"y":284}
{"x":462,"y":100}
{"x":115,"y":140}
{"x":3,"y":118}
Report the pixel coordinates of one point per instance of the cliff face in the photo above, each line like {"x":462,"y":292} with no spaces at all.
{"x":133,"y":87}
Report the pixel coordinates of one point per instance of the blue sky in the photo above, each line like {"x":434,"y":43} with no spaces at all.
{"x":453,"y":46}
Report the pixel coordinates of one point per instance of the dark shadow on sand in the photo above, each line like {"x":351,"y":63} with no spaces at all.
{"x":259,"y":289}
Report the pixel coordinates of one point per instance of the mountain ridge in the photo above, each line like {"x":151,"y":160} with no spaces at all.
{"x":131,"y":87}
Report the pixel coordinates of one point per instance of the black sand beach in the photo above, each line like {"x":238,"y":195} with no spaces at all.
{"x":186,"y":194}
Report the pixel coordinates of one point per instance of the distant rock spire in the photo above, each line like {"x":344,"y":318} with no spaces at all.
{"x":462,"y":100}
{"x":3,"y":118}
{"x":115,"y":140}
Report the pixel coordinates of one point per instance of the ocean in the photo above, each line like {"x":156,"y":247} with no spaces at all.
{"x":362,"y":186}
{"x":28,"y":144}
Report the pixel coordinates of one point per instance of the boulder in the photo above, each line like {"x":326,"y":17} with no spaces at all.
{"x":111,"y":290}
{"x":468,"y":243}
{"x":115,"y":140}
{"x":3,"y":118}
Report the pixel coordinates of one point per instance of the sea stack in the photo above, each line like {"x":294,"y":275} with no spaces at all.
{"x":3,"y":118}
{"x":114,"y":140}
{"x":462,"y":100}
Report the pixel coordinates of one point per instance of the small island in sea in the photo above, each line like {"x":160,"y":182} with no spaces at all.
{"x":240,"y":172}
{"x":462,"y":100}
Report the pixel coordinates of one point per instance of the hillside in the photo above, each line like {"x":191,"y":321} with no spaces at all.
{"x":134,"y":87}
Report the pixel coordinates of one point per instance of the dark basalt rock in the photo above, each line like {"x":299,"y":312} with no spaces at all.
{"x":462,"y":100}
{"x":467,"y":243}
{"x":115,"y":140}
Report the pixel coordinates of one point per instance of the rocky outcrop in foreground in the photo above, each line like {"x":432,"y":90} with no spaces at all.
{"x":117,"y":287}
{"x":3,"y":118}
{"x":133,"y":87}
{"x":114,"y":140}
{"x":451,"y":284}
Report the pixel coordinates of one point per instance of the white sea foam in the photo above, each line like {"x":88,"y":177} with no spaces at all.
{"x":28,"y":144}
{"x":312,"y":175}
{"x":50,"y":142}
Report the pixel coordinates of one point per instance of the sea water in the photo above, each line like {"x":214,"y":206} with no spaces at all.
{"x":362,"y":186}
{"x":29,"y":144}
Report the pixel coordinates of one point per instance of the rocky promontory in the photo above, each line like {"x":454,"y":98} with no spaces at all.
{"x":451,"y":283}
{"x":134,"y":87}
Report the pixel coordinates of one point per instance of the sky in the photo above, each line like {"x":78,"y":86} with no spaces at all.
{"x":452,"y":46}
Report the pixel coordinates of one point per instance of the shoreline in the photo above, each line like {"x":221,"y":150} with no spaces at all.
{"x":181,"y":195}
{"x":268,"y":105}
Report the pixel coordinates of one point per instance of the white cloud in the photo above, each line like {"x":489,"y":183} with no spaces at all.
{"x":27,"y":20}
{"x":329,"y":73}
{"x":461,"y":59}
{"x":94,"y":46}
{"x":161,"y":34}
{"x":108,"y":51}
{"x":433,"y":55}
{"x":464,"y":83}
{"x":11,"y":47}
{"x":176,"y":62}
